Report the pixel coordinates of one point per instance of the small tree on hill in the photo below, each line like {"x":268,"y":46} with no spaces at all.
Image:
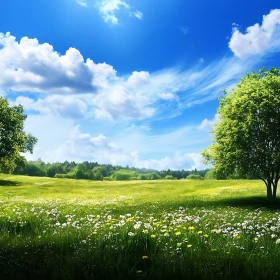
{"x":13,"y":140}
{"x":247,"y":138}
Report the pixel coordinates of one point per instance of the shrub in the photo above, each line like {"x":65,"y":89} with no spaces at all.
{"x":194,"y":177}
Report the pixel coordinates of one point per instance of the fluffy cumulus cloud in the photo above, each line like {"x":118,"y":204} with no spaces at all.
{"x":30,"y":66}
{"x":109,"y":8}
{"x":208,"y":125}
{"x":122,"y":103}
{"x":258,"y":39}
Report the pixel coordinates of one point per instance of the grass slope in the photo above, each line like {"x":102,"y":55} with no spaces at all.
{"x":70,"y":229}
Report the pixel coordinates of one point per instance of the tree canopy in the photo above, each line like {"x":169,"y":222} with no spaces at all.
{"x":13,"y":140}
{"x":247,"y":137}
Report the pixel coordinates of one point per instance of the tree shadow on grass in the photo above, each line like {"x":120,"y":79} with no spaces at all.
{"x":9,"y":183}
{"x":253,"y":202}
{"x":247,"y":202}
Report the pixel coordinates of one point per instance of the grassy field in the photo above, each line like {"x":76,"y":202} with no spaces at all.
{"x":70,"y":229}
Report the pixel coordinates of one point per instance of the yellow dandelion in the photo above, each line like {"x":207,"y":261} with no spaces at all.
{"x":95,"y":232}
{"x":213,"y":230}
{"x":191,"y":228}
{"x":206,"y":235}
{"x":145,"y":257}
{"x":153,"y":236}
{"x":178,"y":233}
{"x":179,"y":244}
{"x":139,"y":271}
{"x":189,"y":245}
{"x":199,"y":232}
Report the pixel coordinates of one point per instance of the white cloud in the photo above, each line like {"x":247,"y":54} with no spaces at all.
{"x":63,"y":106}
{"x":82,"y":3}
{"x":30,"y":66}
{"x":120,"y":103}
{"x":188,"y":161}
{"x":168,"y":96}
{"x":137,"y":14}
{"x":138,"y":79}
{"x":258,"y":39}
{"x":208,"y":125}
{"x":109,"y":9}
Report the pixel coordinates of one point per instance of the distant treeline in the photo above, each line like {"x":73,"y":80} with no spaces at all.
{"x":94,"y":171}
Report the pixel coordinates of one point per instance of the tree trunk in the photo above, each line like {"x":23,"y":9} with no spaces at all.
{"x":274,"y":189}
{"x":269,"y":189}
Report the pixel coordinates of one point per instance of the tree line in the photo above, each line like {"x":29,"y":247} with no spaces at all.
{"x":95,"y":171}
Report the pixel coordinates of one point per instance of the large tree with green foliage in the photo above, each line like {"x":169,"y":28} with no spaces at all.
{"x":247,"y":138}
{"x":13,"y":140}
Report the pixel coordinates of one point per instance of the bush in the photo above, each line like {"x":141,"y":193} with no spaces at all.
{"x":194,"y":177}
{"x":169,"y":177}
{"x":142,"y":177}
{"x":125,"y":175}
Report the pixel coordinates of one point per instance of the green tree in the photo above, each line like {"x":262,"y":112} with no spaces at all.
{"x":247,"y":138}
{"x":13,"y":140}
{"x":55,"y":168}
{"x":211,"y":175}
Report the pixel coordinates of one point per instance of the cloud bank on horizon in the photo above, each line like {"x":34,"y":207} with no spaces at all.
{"x":84,"y":110}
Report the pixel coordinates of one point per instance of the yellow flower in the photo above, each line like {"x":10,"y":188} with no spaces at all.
{"x":191,"y":228}
{"x":189,"y":245}
{"x":256,"y":238}
{"x":178,"y":233}
{"x":213,"y":230}
{"x":95,"y":232}
{"x":199,"y":232}
{"x":205,"y":235}
{"x":213,"y":250}
{"x":153,"y":236}
{"x":145,"y":257}
{"x":179,"y":244}
{"x":139,"y":271}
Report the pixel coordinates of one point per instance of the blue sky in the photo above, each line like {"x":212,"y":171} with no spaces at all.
{"x":130,"y":82}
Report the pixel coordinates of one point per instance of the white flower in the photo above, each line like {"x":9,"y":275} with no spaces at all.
{"x":278,"y":241}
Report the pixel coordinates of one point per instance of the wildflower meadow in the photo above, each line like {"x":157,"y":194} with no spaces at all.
{"x":184,"y":229}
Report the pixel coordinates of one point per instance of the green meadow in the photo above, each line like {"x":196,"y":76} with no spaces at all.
{"x":162,"y":229}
